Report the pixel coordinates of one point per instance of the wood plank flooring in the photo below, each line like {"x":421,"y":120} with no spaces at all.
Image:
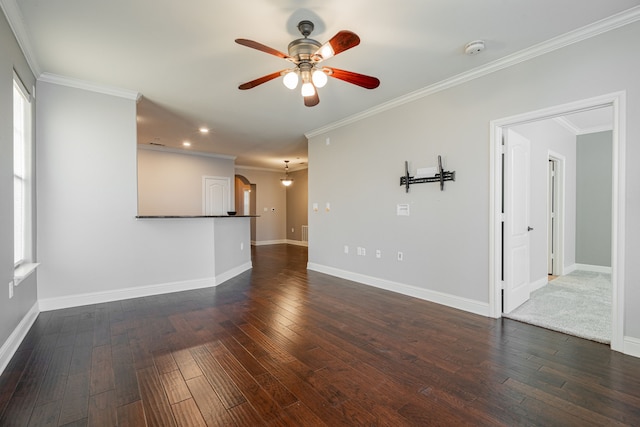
{"x":280,"y":346}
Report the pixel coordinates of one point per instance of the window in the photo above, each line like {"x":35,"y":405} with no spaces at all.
{"x":21,"y":174}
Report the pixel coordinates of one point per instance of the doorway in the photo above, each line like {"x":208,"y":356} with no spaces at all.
{"x":497,"y":263}
{"x":246,"y":194}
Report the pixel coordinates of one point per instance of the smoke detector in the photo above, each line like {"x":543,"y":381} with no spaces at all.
{"x":474,"y":47}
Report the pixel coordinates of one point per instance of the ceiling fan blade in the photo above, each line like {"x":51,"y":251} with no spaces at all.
{"x":259,"y":46}
{"x":339,"y":43}
{"x":260,"y":80}
{"x":361,"y":80}
{"x":312,"y":100}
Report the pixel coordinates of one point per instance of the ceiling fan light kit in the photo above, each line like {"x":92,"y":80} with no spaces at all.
{"x":306,"y":54}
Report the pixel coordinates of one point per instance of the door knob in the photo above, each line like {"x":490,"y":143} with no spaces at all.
{"x":529,"y":228}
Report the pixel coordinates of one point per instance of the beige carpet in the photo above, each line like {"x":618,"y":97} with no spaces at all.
{"x":577,"y":304}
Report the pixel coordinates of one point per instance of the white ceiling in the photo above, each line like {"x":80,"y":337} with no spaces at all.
{"x":182,"y":58}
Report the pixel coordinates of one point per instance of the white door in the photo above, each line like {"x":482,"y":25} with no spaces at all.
{"x":215,"y":191}
{"x":516,"y":220}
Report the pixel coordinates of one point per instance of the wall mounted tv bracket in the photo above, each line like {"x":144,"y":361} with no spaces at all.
{"x":440,"y":177}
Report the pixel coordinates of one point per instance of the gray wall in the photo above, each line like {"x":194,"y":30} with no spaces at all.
{"x":446,"y":239}
{"x":171,"y":183}
{"x":89,"y":241}
{"x":593,"y":215}
{"x":12,"y":311}
{"x":297,"y":201}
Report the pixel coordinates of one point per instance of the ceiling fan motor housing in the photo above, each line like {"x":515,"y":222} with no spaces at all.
{"x":302,"y":49}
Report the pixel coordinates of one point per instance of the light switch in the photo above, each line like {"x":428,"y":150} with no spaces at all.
{"x":402,"y":210}
{"x":328,"y":207}
{"x":315,"y":207}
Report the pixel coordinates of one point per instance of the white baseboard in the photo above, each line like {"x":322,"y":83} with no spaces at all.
{"x":534,"y":286}
{"x":631,"y":346}
{"x":587,"y":267}
{"x":77,"y":300}
{"x":270,"y":242}
{"x":449,"y":300}
{"x":12,"y":343}
{"x":279,"y":242}
{"x":230,"y":274}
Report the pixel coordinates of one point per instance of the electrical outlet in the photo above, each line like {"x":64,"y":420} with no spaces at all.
{"x":363,"y":252}
{"x":400,"y":256}
{"x":378,"y":253}
{"x":10,"y":289}
{"x":346,"y":249}
{"x":242,"y":246}
{"x":293,"y":230}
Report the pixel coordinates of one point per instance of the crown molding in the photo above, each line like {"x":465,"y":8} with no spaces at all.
{"x":604,"y":25}
{"x":256,"y":168}
{"x":16,"y":22}
{"x":92,"y":87}
{"x":185,"y":152}
{"x":292,"y":169}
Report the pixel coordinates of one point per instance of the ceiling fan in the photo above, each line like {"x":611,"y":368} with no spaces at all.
{"x":307,"y":54}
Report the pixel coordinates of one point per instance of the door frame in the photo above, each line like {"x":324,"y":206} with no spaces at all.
{"x":558,"y":237}
{"x":616,"y":100}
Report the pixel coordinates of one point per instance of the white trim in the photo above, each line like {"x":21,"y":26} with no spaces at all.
{"x":92,"y":87}
{"x":12,"y":343}
{"x":607,"y":24}
{"x":617,"y":100}
{"x":293,"y":168}
{"x":595,"y":129}
{"x":16,"y":22}
{"x":230,"y":274}
{"x":632,"y":346}
{"x":534,"y":286}
{"x":297,"y":242}
{"x":580,"y":131}
{"x":181,"y":151}
{"x":589,"y":267}
{"x":448,"y":300}
{"x":561,"y":163}
{"x":48,"y":304}
{"x":23,"y":271}
{"x":269,"y":242}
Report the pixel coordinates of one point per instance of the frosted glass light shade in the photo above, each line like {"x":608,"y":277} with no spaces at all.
{"x":290,"y":80}
{"x":319,"y":78}
{"x":326,"y":51}
{"x":308,"y":89}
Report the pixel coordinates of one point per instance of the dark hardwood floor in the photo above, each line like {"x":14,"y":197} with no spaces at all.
{"x":280,"y":346}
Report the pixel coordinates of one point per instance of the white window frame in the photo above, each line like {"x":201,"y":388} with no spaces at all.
{"x":23,"y":182}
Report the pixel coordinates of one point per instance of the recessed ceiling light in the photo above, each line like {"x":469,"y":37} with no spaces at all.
{"x":204,"y":130}
{"x":186,"y":144}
